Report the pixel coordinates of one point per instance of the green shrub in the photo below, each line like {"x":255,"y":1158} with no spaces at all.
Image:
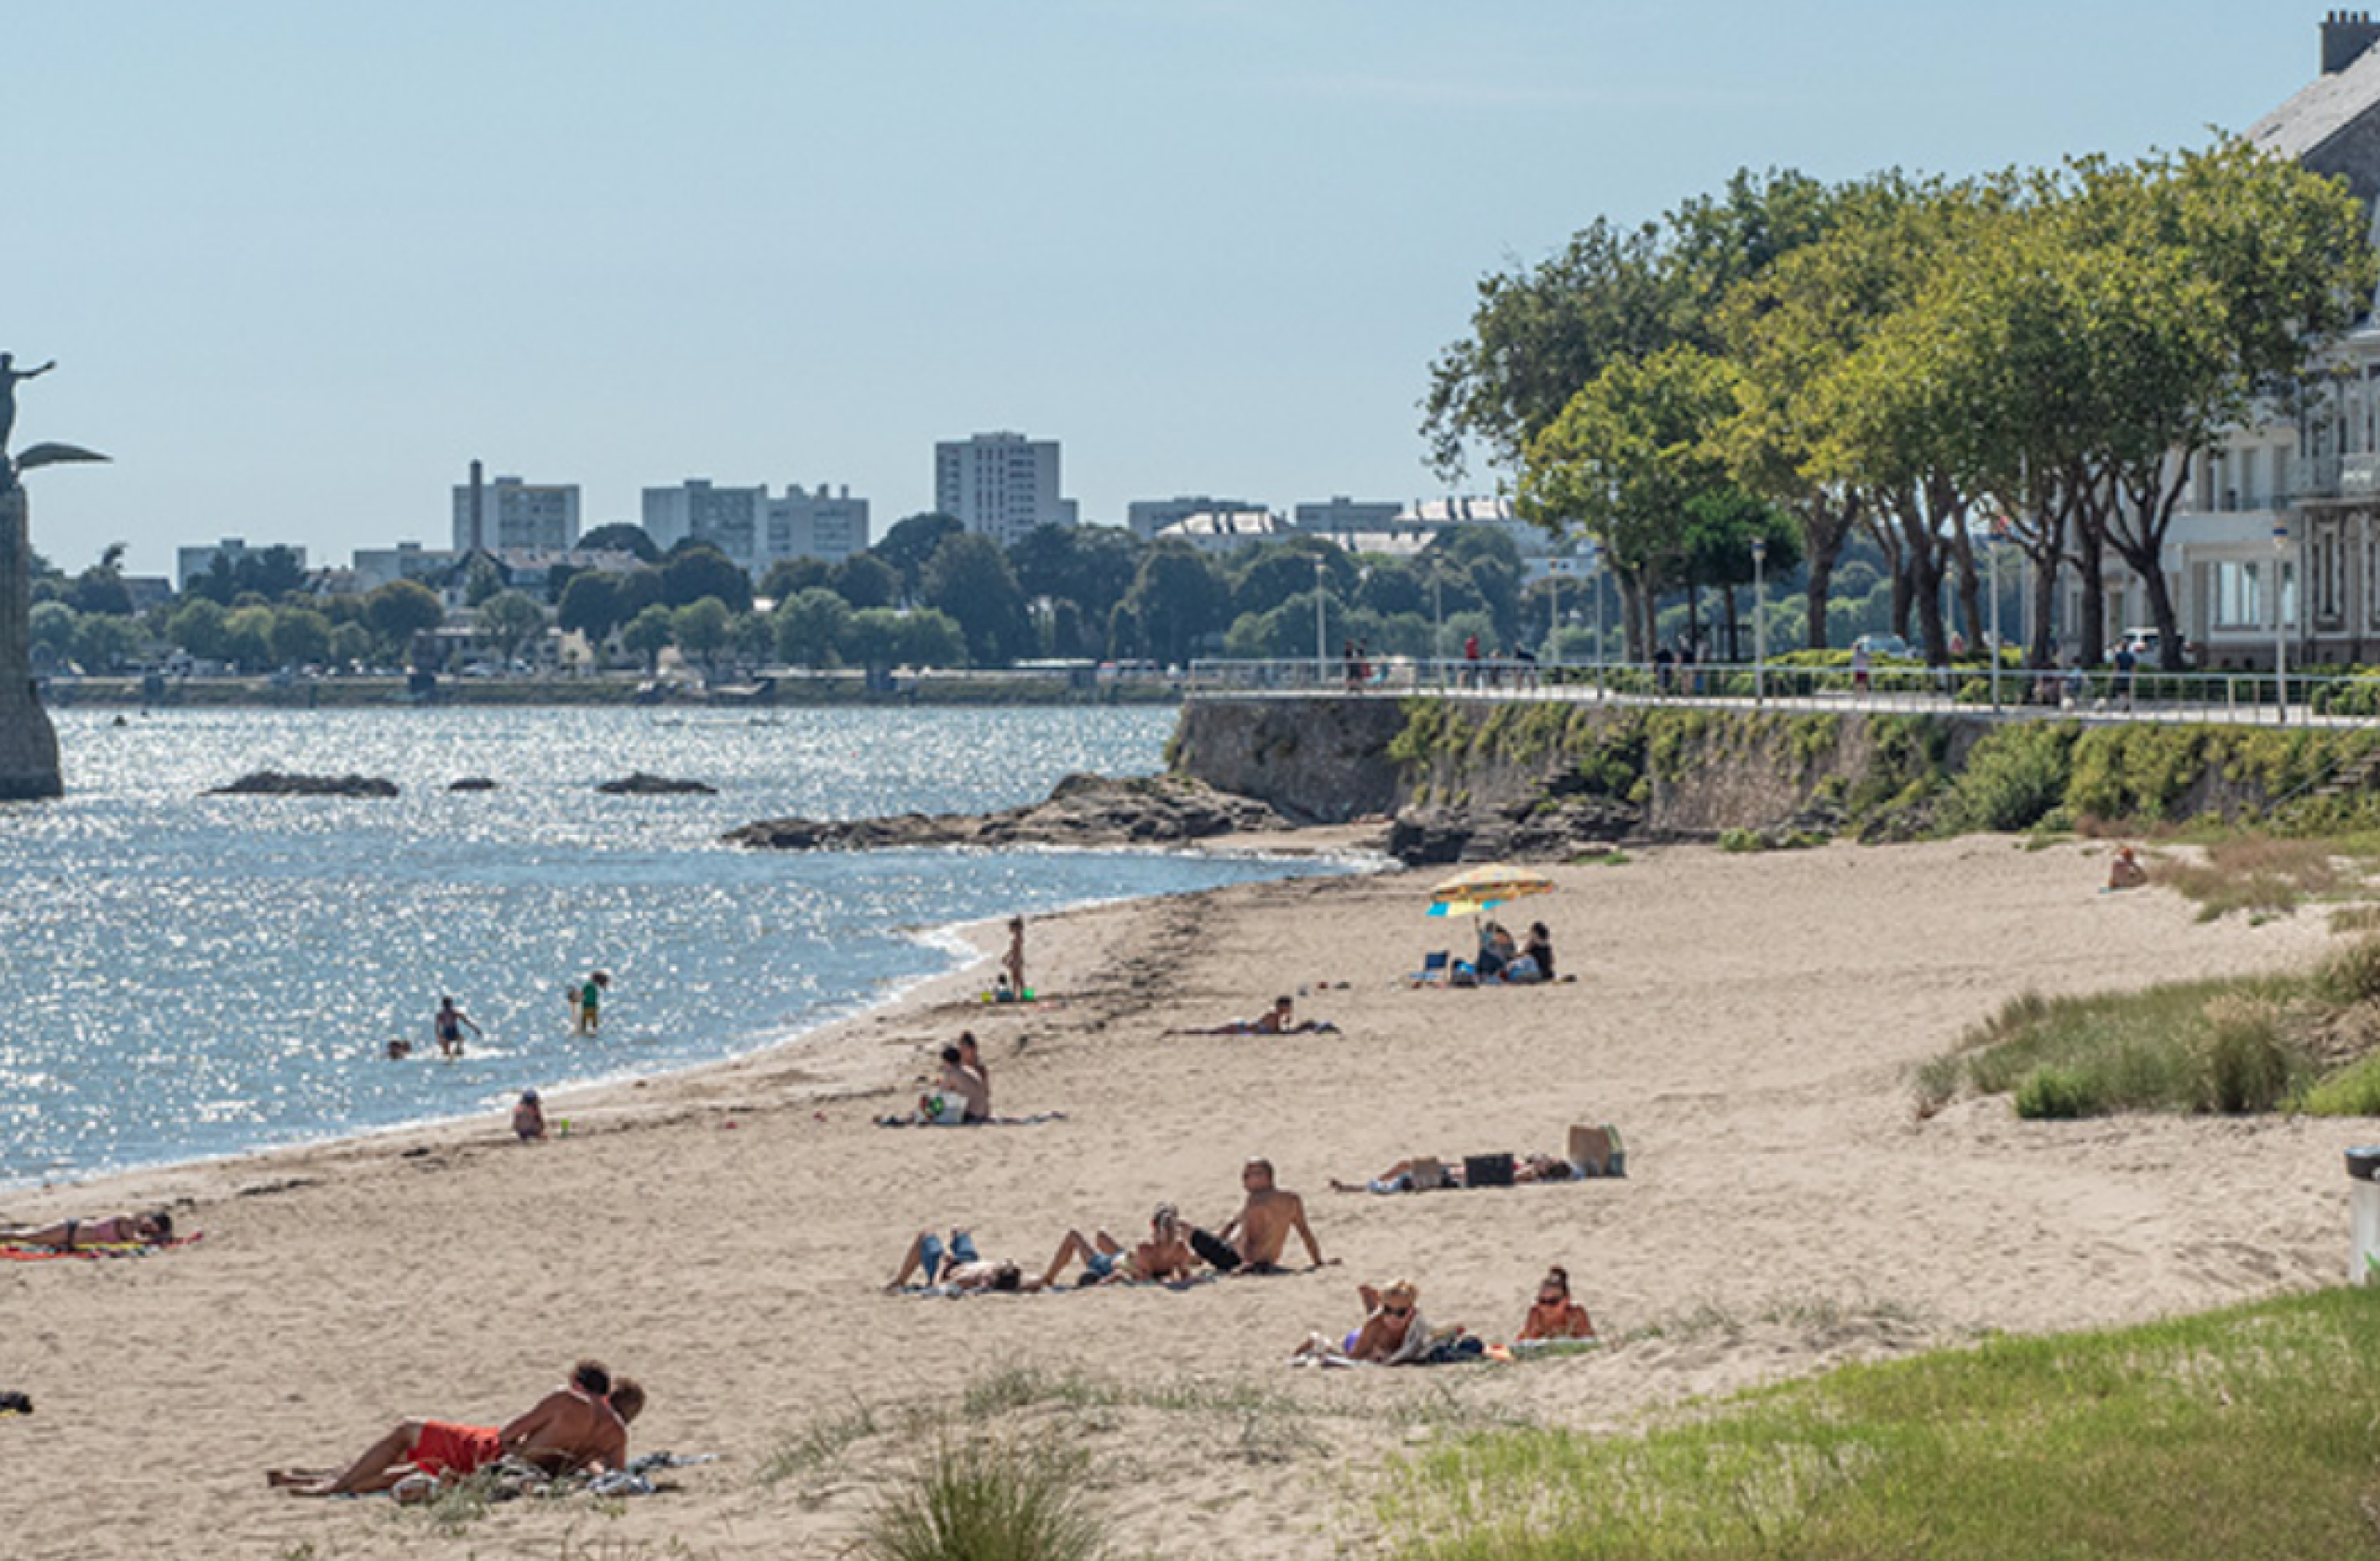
{"x":2014,"y":778}
{"x":2353,"y":1091}
{"x":1741,"y":839}
{"x":976,"y":1501}
{"x":2351,"y":974}
{"x":2057,"y":1094}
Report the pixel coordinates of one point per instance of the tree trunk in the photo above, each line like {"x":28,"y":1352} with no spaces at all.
{"x":2090,"y":558}
{"x":1735,"y":642}
{"x":1970,"y":595}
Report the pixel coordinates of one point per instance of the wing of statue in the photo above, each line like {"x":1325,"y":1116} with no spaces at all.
{"x":55,"y":455}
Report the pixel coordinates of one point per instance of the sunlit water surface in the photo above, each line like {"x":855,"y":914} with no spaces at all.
{"x":184,"y":975}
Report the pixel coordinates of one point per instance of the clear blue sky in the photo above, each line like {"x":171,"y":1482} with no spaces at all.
{"x":302,"y":262}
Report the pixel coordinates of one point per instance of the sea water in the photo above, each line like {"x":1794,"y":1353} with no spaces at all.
{"x":184,"y":975}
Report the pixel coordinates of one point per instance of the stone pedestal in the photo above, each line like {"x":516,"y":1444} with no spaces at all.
{"x":27,"y":744}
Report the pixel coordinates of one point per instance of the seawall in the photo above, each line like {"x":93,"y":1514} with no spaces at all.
{"x":1472,"y":779}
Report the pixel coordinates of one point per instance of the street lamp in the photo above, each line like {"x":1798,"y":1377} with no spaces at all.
{"x":1991,"y":550}
{"x":1759,"y":621}
{"x":1321,"y":643}
{"x":2280,"y":624}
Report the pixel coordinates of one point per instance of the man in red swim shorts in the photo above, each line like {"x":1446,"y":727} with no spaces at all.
{"x":581,"y":1425}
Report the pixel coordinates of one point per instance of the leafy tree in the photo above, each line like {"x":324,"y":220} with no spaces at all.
{"x":400,"y":612}
{"x":100,"y":587}
{"x":864,"y":580}
{"x":482,"y":578}
{"x":788,"y":577}
{"x":648,"y":634}
{"x":104,"y":641}
{"x":1177,"y":598}
{"x":298,"y":637}
{"x":753,"y":636}
{"x":701,"y":571}
{"x":701,"y":628}
{"x":812,"y":625}
{"x":350,"y":643}
{"x":931,"y":639}
{"x":52,"y":628}
{"x":620,"y":537}
{"x":911,"y":544}
{"x":271,"y":573}
{"x":197,"y":628}
{"x":511,"y":619}
{"x":247,"y":636}
{"x":969,"y":580}
{"x":590,"y":606}
{"x":875,"y":636}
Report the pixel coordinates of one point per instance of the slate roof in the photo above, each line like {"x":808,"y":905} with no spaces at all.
{"x":2326,"y":106}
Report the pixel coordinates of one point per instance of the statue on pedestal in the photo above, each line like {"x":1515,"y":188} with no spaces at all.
{"x":27,"y":744}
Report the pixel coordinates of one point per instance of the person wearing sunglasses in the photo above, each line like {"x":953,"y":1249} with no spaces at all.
{"x":1393,"y":1333}
{"x":1556,"y":1316}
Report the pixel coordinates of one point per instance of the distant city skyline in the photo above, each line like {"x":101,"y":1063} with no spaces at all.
{"x":298,"y":270}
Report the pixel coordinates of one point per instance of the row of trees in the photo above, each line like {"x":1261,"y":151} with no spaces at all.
{"x":2045,"y":355}
{"x":928,"y":594}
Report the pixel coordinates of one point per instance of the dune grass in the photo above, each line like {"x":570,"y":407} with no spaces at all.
{"x":2231,"y":1045}
{"x":2263,"y":875}
{"x":2239,"y":1434}
{"x":975,"y":1500}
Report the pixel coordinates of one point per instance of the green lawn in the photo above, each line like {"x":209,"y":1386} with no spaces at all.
{"x":2250,"y":1432}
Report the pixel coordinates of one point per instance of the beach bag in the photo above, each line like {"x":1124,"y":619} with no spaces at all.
{"x":1464,"y":974}
{"x":1487,"y":1170}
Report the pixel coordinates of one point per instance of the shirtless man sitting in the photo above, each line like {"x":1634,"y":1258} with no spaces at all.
{"x":581,"y":1426}
{"x":1252,"y":1242}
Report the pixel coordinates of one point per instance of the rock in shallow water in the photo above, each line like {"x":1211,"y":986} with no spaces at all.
{"x":1082,"y":810}
{"x":272,"y":783}
{"x":643,"y":785}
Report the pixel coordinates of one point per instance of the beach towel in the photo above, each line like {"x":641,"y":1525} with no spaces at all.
{"x":102,"y":1249}
{"x":911,"y":1119}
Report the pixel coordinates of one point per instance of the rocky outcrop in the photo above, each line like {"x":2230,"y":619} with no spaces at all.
{"x":1082,"y":810}
{"x":272,"y":783}
{"x":643,"y":785}
{"x":472,"y":782}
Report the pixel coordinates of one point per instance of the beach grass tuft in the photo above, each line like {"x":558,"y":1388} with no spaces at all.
{"x":2255,"y":873}
{"x":2239,"y":1433}
{"x":976,"y":1500}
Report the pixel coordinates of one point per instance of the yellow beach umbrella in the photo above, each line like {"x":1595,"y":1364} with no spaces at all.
{"x":1482,"y":888}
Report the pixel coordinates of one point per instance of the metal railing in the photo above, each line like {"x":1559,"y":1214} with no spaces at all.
{"x":2017,"y":694}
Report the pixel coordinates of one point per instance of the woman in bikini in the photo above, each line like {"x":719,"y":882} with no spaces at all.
{"x":152,"y":1229}
{"x":1556,"y":1316}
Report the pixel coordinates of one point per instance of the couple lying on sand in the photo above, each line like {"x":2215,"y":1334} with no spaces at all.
{"x":580,"y":1427}
{"x":1251,"y":1243}
{"x":1280,"y":1020}
{"x":1393,"y":1333}
{"x":1591,"y":1152}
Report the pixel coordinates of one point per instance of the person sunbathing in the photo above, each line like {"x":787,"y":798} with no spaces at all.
{"x":959,"y":1266}
{"x":1392,"y":1334}
{"x":579,"y":1427}
{"x":1556,"y":1316}
{"x":1165,"y":1255}
{"x":1252,"y":1242}
{"x":1278,"y":1020}
{"x":1424,"y":1173}
{"x":152,"y":1229}
{"x":2125,"y":871}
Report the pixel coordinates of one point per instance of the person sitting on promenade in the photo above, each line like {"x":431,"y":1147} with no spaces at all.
{"x":1280,"y":1020}
{"x":1165,"y":1255}
{"x":2125,"y":871}
{"x":1251,"y":1243}
{"x":528,"y":1117}
{"x":152,"y":1229}
{"x":1393,"y":1333}
{"x":579,"y":1427}
{"x":1555,"y":1314}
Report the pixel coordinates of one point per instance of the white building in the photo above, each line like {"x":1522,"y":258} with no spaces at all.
{"x":191,"y":563}
{"x":821,"y":525}
{"x":1001,"y":485}
{"x":1147,"y":517}
{"x":511,"y":513}
{"x":736,"y":521}
{"x":1340,"y":513}
{"x":1226,"y":531}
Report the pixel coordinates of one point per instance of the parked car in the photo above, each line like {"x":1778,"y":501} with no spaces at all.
{"x":1880,"y":644}
{"x":2144,"y":644}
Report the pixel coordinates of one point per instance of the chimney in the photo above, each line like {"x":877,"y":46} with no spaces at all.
{"x":2348,"y":36}
{"x":479,"y":496}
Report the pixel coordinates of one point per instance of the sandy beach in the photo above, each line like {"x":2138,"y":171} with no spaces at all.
{"x":1749,"y":1021}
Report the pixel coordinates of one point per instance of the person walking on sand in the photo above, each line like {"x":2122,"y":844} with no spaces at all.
{"x":450,"y":1024}
{"x":1013,"y":960}
{"x":1252,"y":1242}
